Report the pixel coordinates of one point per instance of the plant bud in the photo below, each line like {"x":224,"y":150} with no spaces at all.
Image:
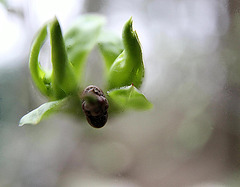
{"x":95,"y":106}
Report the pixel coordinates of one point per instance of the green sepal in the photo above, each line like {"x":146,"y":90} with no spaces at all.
{"x":80,"y":39}
{"x":40,"y":77}
{"x":130,"y":97}
{"x":35,"y":116}
{"x":61,"y":81}
{"x":63,"y":78}
{"x":110,"y":46}
{"x":128,"y":68}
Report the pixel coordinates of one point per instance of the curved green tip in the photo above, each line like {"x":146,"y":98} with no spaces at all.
{"x":128,"y":67}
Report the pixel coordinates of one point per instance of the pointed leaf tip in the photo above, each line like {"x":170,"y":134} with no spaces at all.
{"x":35,"y":116}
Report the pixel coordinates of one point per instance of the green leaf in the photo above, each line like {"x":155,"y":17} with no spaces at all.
{"x":110,"y":46}
{"x":61,"y":81}
{"x":37,"y":72}
{"x":80,"y":39}
{"x":128,"y":68}
{"x":130,"y":97}
{"x":63,"y":78}
{"x":35,"y":116}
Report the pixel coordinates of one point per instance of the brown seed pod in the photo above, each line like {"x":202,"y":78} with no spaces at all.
{"x":95,"y":106}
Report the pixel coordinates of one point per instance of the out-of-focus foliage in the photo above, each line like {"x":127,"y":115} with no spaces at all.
{"x":3,"y":2}
{"x":111,"y":47}
{"x":80,"y":38}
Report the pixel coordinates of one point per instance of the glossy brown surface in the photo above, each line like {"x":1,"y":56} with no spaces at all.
{"x":95,"y":106}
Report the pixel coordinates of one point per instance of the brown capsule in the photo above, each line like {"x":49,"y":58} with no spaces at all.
{"x":95,"y":106}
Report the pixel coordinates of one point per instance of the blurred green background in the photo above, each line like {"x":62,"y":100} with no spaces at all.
{"x":190,"y":138}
